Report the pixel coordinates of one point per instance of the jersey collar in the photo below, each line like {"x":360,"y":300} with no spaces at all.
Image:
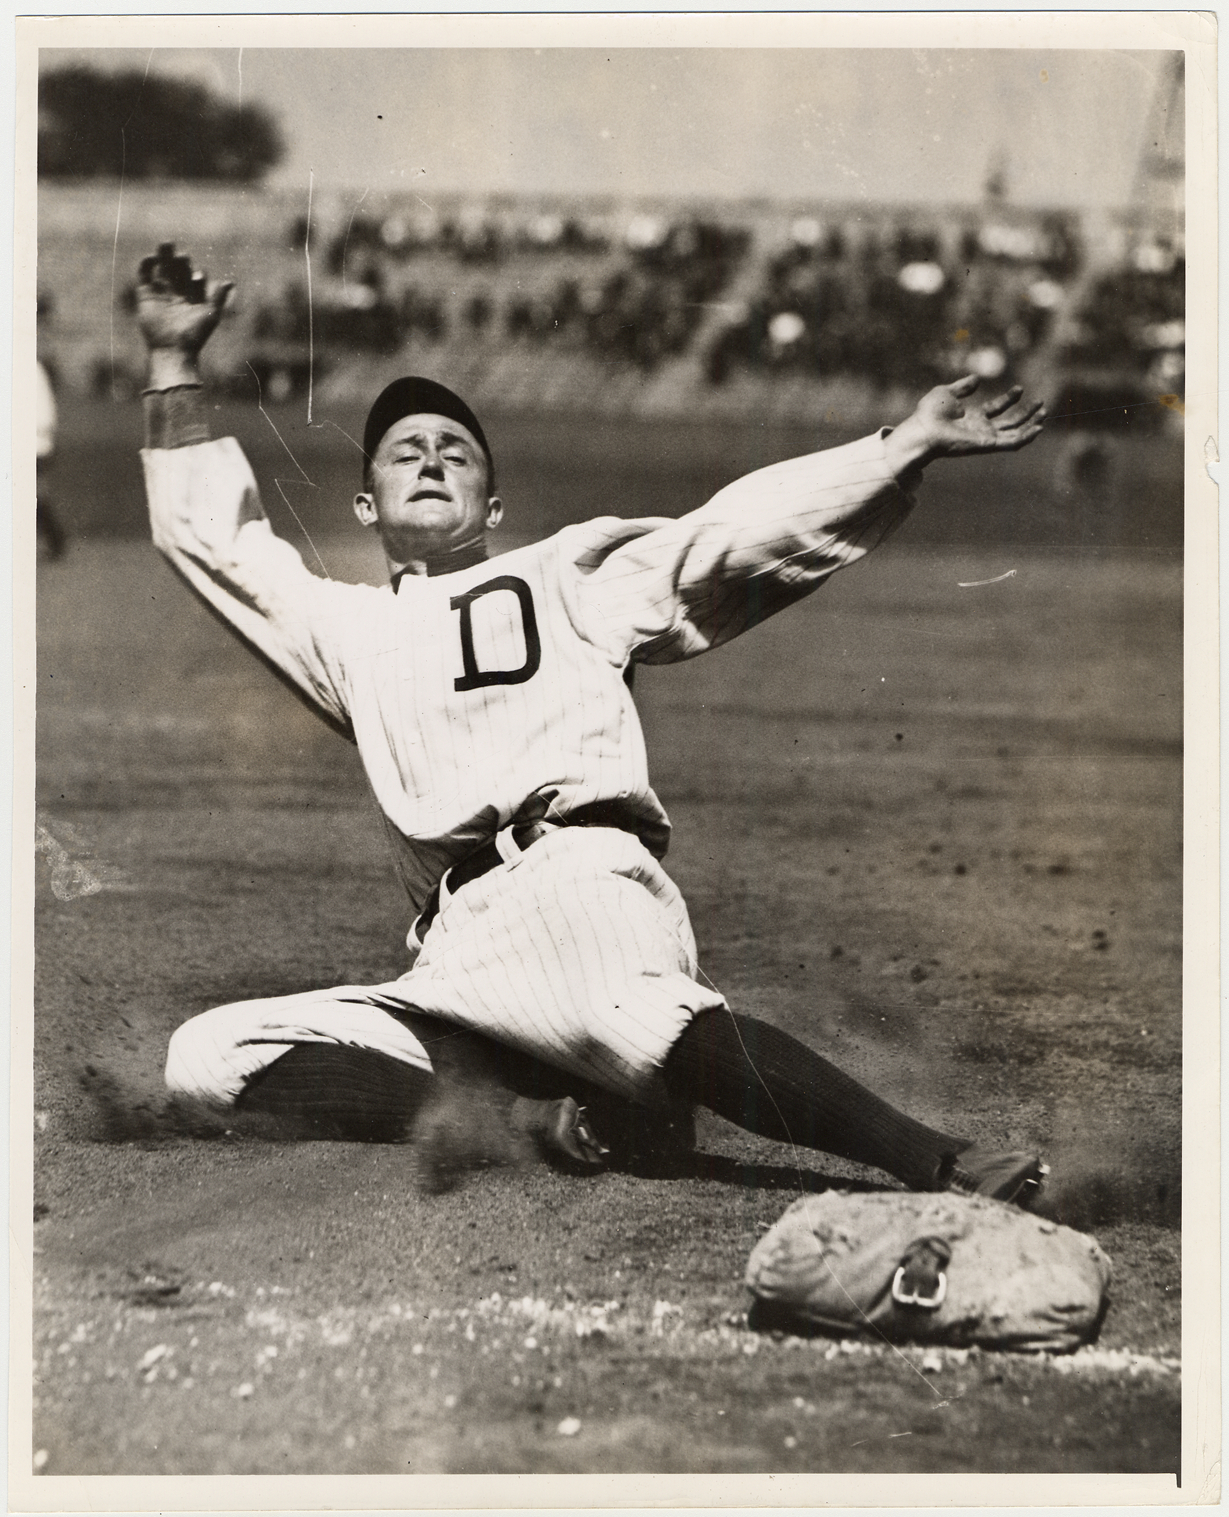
{"x":443,"y":563}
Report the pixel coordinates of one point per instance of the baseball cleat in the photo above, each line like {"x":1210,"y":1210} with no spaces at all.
{"x":575,"y":1136}
{"x":1017,"y":1178}
{"x":561,"y":1129}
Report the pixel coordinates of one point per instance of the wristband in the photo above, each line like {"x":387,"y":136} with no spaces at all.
{"x":175,"y":418}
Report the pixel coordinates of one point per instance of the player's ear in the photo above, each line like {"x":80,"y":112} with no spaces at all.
{"x":494,"y":512}
{"x":365,"y":508}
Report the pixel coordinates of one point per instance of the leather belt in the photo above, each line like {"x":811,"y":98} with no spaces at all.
{"x":524,"y":835}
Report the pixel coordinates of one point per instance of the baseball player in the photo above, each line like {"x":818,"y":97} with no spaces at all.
{"x":46,"y":422}
{"x":490,"y":708}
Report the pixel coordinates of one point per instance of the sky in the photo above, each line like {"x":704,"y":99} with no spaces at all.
{"x":850,"y":124}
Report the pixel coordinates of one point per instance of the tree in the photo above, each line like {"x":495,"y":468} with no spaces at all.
{"x":93,"y":124}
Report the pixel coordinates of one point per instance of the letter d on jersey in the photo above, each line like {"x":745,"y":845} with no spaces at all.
{"x":475,"y":678}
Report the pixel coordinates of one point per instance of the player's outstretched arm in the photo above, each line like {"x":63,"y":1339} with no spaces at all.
{"x":204,"y":506}
{"x":948,"y":423}
{"x":178,"y":308}
{"x":683,"y":587}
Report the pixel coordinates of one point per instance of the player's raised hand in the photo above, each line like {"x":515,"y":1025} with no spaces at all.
{"x":948,"y":423}
{"x":177,"y":310}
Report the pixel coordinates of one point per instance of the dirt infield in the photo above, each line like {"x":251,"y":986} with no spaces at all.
{"x":933,"y":829}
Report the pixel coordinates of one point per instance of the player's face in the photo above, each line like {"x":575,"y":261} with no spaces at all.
{"x":429,"y":488}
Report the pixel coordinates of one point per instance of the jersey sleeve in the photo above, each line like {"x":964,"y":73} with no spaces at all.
{"x":678,"y":588}
{"x":208,"y":521}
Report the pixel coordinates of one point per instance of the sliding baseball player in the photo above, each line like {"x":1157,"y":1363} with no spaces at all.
{"x":489,"y":704}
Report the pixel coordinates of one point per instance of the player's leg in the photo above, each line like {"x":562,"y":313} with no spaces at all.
{"x":48,"y":528}
{"x":582,"y":953}
{"x":770,"y":1083}
{"x":353,"y":1064}
{"x":326,"y":1090}
{"x":456,"y":1120}
{"x":50,"y":532}
{"x":322,"y":1063}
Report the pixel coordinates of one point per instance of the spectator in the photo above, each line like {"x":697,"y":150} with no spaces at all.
{"x":50,"y":533}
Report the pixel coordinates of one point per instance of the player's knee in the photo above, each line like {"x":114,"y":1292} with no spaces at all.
{"x":195,"y":1063}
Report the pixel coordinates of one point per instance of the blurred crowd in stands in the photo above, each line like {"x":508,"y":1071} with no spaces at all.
{"x":886,"y":300}
{"x":637,"y":296}
{"x":918,"y":307}
{"x":1132,"y":316}
{"x":911,"y":306}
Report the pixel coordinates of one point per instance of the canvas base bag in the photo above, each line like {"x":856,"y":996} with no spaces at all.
{"x":928,"y":1268}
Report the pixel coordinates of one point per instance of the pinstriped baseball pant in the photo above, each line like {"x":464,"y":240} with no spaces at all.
{"x":579,"y":952}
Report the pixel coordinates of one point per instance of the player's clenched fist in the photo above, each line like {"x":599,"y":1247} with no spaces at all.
{"x":177,"y":309}
{"x":947,"y":423}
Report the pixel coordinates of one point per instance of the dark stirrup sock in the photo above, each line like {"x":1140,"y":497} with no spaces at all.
{"x":328,"y":1090}
{"x":755,"y":1075}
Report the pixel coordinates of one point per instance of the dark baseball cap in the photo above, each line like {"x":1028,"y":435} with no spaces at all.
{"x":415,"y":396}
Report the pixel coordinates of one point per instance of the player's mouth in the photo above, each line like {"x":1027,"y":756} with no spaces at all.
{"x":431,"y":495}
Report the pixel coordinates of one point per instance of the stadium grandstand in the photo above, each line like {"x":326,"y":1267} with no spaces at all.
{"x":637,"y":308}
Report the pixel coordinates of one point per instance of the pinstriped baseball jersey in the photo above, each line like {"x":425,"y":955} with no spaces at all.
{"x":482,"y":696}
{"x":469,"y":693}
